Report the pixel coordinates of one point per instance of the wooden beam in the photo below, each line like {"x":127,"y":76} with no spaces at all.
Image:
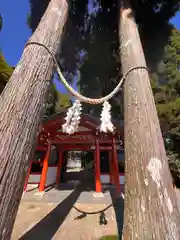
{"x":73,"y":146}
{"x":78,"y":141}
{"x":90,"y":133}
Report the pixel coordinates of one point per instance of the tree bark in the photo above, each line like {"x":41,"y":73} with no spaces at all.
{"x":21,"y":107}
{"x":151,"y":210}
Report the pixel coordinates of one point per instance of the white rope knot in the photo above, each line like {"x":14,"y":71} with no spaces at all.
{"x":72,"y":118}
{"x":106,"y":123}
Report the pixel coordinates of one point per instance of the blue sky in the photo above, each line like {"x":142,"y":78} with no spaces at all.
{"x":176,"y":20}
{"x":15,"y":31}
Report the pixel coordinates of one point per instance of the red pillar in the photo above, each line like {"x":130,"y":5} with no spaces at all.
{"x":60,"y":162}
{"x":97,"y":167}
{"x":111,"y":168}
{"x":27,"y":176}
{"x":45,"y":169}
{"x":115,"y":165}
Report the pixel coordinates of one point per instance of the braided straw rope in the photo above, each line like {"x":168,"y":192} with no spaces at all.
{"x":78,"y":95}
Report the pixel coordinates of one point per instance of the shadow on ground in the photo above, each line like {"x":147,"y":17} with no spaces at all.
{"x":118,"y":204}
{"x":47,"y":227}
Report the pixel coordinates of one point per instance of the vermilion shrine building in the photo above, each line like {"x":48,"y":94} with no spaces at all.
{"x":46,"y":166}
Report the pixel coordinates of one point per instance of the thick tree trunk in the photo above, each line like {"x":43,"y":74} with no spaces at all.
{"x":151,"y":210}
{"x":21,"y":105}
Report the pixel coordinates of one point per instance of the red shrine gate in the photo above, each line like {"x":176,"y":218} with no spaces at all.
{"x":88,"y":138}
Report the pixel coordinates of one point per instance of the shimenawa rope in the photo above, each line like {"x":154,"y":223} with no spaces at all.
{"x":75,"y":93}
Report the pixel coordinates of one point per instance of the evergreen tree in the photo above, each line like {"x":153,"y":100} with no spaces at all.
{"x":166,"y":88}
{"x":165,"y":85}
{"x":5,"y":72}
{"x":91,"y":34}
{"x":5,"y":69}
{"x":49,"y":105}
{"x":63,"y":102}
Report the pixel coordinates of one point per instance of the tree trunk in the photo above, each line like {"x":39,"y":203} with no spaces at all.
{"x":151,"y":210}
{"x":21,"y":107}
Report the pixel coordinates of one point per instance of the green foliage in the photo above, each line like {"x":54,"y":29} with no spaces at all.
{"x":5,"y":72}
{"x":49,"y":106}
{"x":169,"y":112}
{"x":174,"y":165}
{"x":56,"y":102}
{"x":5,"y":69}
{"x":29,"y":20}
{"x":63,"y":102}
{"x":109,"y":238}
{"x":166,"y":87}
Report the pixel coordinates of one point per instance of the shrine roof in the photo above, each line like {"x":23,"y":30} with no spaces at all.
{"x":51,"y":129}
{"x":88,"y":122}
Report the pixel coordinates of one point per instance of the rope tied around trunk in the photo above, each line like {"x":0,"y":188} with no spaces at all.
{"x":73,"y":115}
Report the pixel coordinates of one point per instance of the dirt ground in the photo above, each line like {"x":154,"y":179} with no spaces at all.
{"x":53,"y":216}
{"x":48,"y":221}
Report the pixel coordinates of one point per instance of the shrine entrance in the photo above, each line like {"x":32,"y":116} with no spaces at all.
{"x":78,"y":166}
{"x":88,"y":156}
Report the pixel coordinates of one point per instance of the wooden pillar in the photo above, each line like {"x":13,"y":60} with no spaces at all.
{"x":45,"y":169}
{"x":60,"y":162}
{"x":110,"y":167}
{"x":27,"y":176}
{"x":97,"y":167}
{"x":115,"y":165}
